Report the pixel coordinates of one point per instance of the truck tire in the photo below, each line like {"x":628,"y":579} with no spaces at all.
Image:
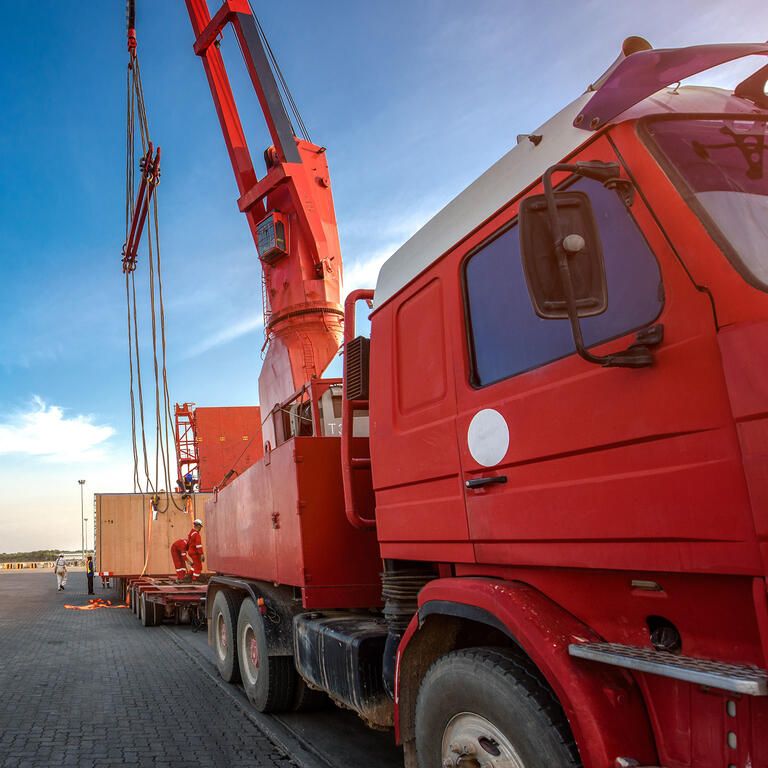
{"x":490,"y":704}
{"x":226,"y":606}
{"x":306,"y":699}
{"x":148,"y":611}
{"x":269,"y":681}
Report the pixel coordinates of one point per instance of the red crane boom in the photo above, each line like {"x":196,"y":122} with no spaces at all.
{"x":289,"y":210}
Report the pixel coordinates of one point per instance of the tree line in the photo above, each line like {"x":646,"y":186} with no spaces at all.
{"x":39,"y":555}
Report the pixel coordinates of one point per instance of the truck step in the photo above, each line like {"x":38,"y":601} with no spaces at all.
{"x":738,"y":678}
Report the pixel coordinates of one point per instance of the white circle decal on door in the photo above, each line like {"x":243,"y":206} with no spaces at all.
{"x":488,"y":437}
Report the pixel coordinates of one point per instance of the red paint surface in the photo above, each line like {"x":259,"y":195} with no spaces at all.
{"x":228,"y":439}
{"x":284,"y":522}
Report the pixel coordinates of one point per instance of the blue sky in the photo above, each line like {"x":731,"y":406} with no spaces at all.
{"x":413,"y":100}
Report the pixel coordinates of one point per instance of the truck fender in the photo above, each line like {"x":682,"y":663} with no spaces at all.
{"x":278,"y":604}
{"x":603,"y":704}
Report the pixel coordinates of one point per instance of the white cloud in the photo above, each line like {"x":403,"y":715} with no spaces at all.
{"x":225,"y":335}
{"x":363,"y":271}
{"x":44,"y":431}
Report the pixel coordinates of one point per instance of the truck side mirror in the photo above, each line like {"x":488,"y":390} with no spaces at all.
{"x":582,"y":246}
{"x":563,"y":259}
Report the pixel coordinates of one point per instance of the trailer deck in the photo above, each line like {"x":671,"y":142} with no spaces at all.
{"x":157,"y":599}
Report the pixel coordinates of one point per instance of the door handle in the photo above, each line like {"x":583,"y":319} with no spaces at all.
{"x":481,"y":482}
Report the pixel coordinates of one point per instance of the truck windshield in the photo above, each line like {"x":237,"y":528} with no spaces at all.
{"x":721,"y":166}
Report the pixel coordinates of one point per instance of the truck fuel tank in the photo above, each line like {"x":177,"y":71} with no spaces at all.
{"x":343,"y":654}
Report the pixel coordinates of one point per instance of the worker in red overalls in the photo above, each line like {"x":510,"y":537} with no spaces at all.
{"x":195,"y":549}
{"x":179,"y":556}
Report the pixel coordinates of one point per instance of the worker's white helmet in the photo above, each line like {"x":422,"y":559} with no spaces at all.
{"x":198,"y":521}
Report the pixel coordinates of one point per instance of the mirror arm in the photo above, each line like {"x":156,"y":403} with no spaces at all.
{"x":635,"y":356}
{"x":624,"y":188}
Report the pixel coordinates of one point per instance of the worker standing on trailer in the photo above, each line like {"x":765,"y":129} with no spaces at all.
{"x":89,"y":573}
{"x":195,"y":549}
{"x":179,"y":557}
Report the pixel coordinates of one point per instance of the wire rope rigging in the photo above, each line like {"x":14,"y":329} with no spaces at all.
{"x":151,"y":475}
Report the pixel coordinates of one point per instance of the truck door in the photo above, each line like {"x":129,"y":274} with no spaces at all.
{"x":580,"y":465}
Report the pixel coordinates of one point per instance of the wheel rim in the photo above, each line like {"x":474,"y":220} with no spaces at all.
{"x":221,"y":637}
{"x":251,"y":654}
{"x":471,"y":741}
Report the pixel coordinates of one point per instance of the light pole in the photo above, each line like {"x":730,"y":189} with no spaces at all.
{"x":85,"y":523}
{"x":82,"y":517}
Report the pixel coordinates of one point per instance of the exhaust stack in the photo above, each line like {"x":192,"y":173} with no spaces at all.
{"x":631,"y":45}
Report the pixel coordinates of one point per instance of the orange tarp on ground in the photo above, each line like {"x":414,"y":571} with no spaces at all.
{"x":94,"y":604}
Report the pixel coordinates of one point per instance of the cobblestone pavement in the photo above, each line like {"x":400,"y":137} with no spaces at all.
{"x":95,"y":689}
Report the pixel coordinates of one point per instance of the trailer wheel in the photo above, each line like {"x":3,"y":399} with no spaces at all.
{"x":487,"y":706}
{"x":148,"y":611}
{"x":269,"y":681}
{"x":226,"y":606}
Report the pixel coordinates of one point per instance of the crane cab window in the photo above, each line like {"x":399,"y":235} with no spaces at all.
{"x":294,"y":419}
{"x":330,"y":411}
{"x":330,"y":405}
{"x":506,"y":337}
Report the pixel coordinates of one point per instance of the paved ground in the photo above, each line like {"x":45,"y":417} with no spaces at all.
{"x":335,"y":738}
{"x":96,"y":689}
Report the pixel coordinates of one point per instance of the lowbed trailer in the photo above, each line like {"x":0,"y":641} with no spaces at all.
{"x":159,"y":599}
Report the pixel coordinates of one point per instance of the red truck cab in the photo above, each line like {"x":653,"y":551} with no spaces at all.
{"x":609,"y":522}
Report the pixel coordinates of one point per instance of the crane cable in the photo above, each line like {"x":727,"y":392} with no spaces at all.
{"x":136,"y":113}
{"x":282,"y":84}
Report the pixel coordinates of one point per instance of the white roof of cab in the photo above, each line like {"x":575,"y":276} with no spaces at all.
{"x":518,"y":169}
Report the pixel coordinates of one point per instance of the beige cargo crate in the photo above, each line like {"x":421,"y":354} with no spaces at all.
{"x":127,"y":537}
